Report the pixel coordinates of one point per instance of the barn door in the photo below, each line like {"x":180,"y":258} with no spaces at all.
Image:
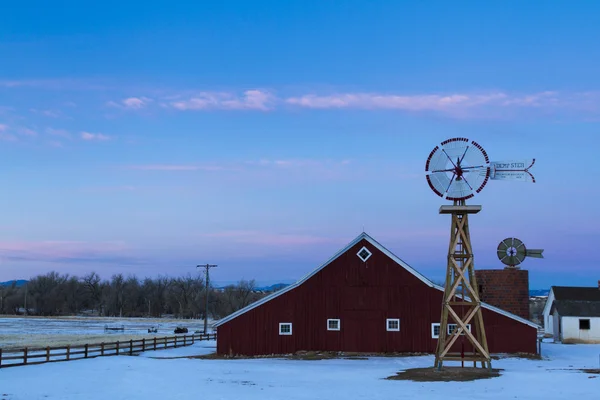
{"x":362,"y":331}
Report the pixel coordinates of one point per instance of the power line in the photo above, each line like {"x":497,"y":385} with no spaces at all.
{"x":206,"y":267}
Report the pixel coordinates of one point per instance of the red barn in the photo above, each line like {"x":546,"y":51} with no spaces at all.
{"x":364,"y":299}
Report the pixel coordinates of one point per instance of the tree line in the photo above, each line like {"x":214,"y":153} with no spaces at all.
{"x":54,"y":294}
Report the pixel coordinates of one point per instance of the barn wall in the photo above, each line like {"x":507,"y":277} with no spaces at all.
{"x":362,"y":295}
{"x":571,"y":331}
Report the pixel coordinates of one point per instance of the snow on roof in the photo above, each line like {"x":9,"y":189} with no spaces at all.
{"x":385,"y":251}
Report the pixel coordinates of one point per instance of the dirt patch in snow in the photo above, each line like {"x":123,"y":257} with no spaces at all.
{"x":312,"y":355}
{"x":447,"y":374}
{"x":592,"y":371}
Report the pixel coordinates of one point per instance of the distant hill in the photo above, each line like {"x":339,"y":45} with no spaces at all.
{"x":20,"y":282}
{"x":272,"y":288}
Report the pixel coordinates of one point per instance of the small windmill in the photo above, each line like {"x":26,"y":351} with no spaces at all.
{"x":456,"y":170}
{"x":512,"y":252}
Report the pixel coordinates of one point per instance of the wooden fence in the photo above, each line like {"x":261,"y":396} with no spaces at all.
{"x":31,"y":356}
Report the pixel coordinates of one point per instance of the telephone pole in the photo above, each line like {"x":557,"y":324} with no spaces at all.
{"x":206,"y":267}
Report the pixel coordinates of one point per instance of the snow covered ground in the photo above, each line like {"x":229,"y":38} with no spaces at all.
{"x":145,"y":377}
{"x":16,"y":332}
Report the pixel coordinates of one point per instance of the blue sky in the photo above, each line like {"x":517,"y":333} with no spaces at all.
{"x":263,"y":136}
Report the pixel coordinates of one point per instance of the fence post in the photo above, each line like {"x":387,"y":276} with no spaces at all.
{"x":165,"y":342}
{"x":184,"y":339}
{"x":102,"y":348}
{"x":25,"y":355}
{"x":130,"y":346}
{"x":86,"y":350}
{"x":68,"y":352}
{"x":175,"y":341}
{"x":193,"y":337}
{"x":154,"y":342}
{"x":117,"y":347}
{"x":47,"y":353}
{"x":143,"y":344}
{"x":0,"y":358}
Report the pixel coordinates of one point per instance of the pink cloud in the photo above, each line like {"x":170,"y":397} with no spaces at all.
{"x":28,"y":132}
{"x":52,"y":250}
{"x":399,"y":102}
{"x":3,"y":128}
{"x":250,"y":100}
{"x":55,"y":143}
{"x":46,"y":113}
{"x":58,"y":132}
{"x":8,"y":137}
{"x":131,"y":103}
{"x":167,"y":167}
{"x":94,"y":136}
{"x":265,"y":238}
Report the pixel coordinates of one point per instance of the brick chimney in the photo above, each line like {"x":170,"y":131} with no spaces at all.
{"x":507,"y":289}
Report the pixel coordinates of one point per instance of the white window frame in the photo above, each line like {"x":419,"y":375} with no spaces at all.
{"x":463,"y":333}
{"x":285,"y":333}
{"x":368,"y":251}
{"x":448,"y":326}
{"x":387,"y":324}
{"x":433,"y":326}
{"x":339,"y":325}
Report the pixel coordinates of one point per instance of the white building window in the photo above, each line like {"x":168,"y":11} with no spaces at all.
{"x":435,"y":330}
{"x":333,"y":324}
{"x":285,"y":328}
{"x":364,"y":254}
{"x":453,"y":327}
{"x":392,"y":324}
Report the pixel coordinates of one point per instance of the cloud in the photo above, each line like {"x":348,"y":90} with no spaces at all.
{"x":250,"y":100}
{"x":46,"y":113}
{"x":273,"y":239}
{"x":55,"y":143}
{"x":94,"y":136}
{"x":240,"y":166}
{"x":131,"y":103}
{"x":28,"y":132}
{"x":58,"y":132}
{"x":298,"y":163}
{"x":8,"y":137}
{"x":172,"y":167}
{"x":67,"y":252}
{"x":123,"y":188}
{"x":3,"y":128}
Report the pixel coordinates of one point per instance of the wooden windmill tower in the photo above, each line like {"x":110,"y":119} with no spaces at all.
{"x":457,"y":169}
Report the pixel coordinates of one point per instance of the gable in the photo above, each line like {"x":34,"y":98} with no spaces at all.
{"x":358,"y":277}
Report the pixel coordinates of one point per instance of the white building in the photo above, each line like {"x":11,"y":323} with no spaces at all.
{"x":573,"y":313}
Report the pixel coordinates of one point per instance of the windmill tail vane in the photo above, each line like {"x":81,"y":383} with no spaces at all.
{"x":512,"y":170}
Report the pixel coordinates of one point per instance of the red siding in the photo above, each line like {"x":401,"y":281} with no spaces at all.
{"x":362,"y":295}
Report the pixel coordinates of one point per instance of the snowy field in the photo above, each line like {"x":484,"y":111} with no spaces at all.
{"x":173,"y":375}
{"x":17,"y":332}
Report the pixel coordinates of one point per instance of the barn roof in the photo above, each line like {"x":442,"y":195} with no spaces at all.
{"x":574,"y":293}
{"x":388,"y":253}
{"x":574,"y":308}
{"x":573,"y":301}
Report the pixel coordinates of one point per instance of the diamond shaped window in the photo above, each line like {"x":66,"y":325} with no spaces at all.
{"x":364,"y":254}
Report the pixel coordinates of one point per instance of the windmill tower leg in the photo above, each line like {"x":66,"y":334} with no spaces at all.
{"x":461,"y":304}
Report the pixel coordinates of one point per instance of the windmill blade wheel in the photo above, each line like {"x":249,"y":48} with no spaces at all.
{"x":511,"y":252}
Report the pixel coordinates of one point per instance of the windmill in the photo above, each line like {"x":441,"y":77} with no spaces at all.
{"x":512,"y":252}
{"x":456,"y":170}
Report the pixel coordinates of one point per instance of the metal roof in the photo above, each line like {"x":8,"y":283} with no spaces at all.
{"x":388,"y":253}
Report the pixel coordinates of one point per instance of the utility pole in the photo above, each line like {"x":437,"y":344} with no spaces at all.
{"x":206,"y":267}
{"x":25,"y":305}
